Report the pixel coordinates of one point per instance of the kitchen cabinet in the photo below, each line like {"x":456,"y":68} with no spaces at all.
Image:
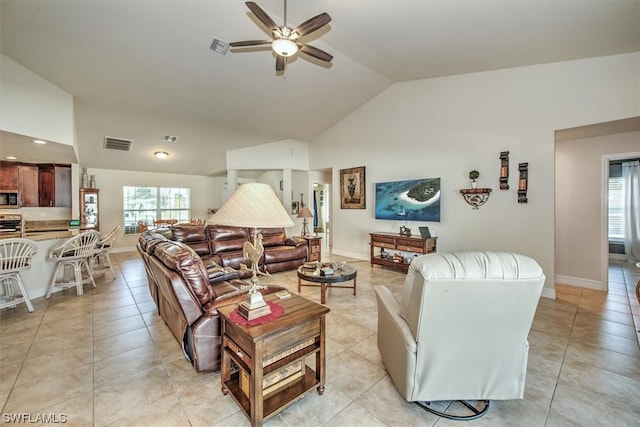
{"x":54,"y":185}
{"x":28,"y":185}
{"x":8,"y":176}
{"x":89,"y":209}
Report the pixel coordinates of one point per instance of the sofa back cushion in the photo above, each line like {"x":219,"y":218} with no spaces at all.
{"x":272,"y":236}
{"x":193,"y":235}
{"x":148,"y":241}
{"x":225,"y":238}
{"x":183,"y":260}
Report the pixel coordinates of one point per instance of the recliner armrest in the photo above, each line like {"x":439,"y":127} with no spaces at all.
{"x":295,"y":241}
{"x":389,"y":308}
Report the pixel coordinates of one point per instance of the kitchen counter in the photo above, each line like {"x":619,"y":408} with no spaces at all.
{"x":46,"y":226}
{"x":40,"y":236}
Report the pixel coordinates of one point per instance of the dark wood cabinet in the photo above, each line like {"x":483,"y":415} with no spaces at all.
{"x":28,"y":185}
{"x":8,"y":176}
{"x":54,"y":185}
{"x":396,"y":251}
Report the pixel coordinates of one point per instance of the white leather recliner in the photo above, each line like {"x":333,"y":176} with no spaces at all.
{"x":459,"y":331}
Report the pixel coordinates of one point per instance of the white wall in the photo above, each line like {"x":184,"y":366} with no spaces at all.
{"x":31,"y":106}
{"x":579,"y":199}
{"x":205,"y":194}
{"x":444,"y":127}
{"x":288,"y":154}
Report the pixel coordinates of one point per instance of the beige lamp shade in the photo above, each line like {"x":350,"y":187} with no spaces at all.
{"x":305,"y":213}
{"x":252,"y":205}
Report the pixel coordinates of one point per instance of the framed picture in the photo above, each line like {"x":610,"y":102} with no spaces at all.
{"x":295,"y":208}
{"x":352,"y":186}
{"x":408,"y":200}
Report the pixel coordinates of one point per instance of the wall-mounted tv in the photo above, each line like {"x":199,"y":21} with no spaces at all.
{"x":410,"y":200}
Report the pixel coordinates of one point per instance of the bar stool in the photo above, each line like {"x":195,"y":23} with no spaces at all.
{"x":15,"y":256}
{"x":101,"y":254}
{"x":71,"y":257}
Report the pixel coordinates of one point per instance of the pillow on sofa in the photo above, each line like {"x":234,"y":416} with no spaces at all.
{"x":183,"y":260}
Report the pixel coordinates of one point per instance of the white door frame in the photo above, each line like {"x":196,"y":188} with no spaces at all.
{"x":604,"y":235}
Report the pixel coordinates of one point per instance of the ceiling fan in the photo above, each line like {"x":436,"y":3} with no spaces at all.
{"x":285,"y":41}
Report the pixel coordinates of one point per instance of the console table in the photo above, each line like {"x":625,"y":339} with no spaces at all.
{"x":260,"y":350}
{"x":394,"y":242}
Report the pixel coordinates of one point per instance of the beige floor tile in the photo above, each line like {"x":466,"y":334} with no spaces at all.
{"x":352,"y":373}
{"x":43,"y":392}
{"x":122,"y":343}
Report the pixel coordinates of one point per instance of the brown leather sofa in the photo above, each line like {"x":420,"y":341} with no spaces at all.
{"x":188,"y":295}
{"x":221,"y":246}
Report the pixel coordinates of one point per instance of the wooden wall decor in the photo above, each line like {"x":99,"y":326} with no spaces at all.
{"x":504,"y":170}
{"x":523,"y":182}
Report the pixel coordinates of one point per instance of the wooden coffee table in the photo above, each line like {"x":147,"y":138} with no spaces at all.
{"x":344,"y":274}
{"x":262,"y":350}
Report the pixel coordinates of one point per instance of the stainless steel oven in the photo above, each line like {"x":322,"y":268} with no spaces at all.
{"x":11,"y":225}
{"x":9,"y":199}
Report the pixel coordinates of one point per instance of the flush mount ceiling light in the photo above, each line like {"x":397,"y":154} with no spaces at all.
{"x":11,"y":158}
{"x":39,"y":141}
{"x":161,"y":155}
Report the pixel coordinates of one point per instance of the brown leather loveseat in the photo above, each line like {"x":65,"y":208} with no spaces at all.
{"x":188,"y":296}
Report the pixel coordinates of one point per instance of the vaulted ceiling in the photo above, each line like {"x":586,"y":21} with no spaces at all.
{"x":143,"y":69}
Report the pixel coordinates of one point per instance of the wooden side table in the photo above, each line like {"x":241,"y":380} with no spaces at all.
{"x":314,"y":252}
{"x":257,"y":351}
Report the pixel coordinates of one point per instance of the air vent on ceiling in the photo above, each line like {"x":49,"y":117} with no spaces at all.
{"x":220,"y":47}
{"x":170,"y":138}
{"x":121,"y":144}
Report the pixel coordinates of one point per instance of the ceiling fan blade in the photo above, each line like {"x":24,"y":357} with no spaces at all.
{"x":316,"y":53}
{"x":281,"y":62}
{"x":262,"y":15}
{"x":313,"y":24}
{"x":250,"y":43}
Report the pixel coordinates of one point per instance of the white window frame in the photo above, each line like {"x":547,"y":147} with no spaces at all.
{"x":167,"y":205}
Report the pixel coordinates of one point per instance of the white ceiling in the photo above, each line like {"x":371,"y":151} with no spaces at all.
{"x":143,"y":69}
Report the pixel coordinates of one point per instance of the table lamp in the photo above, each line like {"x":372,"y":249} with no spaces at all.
{"x":253,"y":205}
{"x":305,"y":213}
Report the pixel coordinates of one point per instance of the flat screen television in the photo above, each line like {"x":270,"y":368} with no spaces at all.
{"x":409,"y":200}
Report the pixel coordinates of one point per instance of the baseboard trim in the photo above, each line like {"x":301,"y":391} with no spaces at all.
{"x":355,"y":255}
{"x":581,"y":282}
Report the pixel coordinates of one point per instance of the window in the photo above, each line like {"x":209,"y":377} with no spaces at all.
{"x":148,"y":204}
{"x":616,"y":209}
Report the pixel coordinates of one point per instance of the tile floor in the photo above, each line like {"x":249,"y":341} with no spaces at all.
{"x":106,"y":358}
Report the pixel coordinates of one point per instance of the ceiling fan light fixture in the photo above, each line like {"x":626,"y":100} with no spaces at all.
{"x":284,"y":47}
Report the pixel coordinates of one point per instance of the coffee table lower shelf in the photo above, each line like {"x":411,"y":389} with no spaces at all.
{"x":277,"y":401}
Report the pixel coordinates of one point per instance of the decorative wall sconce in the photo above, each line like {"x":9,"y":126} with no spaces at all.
{"x":523,"y":182}
{"x":476,"y":197}
{"x":504,"y":170}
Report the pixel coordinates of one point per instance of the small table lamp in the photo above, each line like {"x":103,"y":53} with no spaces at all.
{"x":305,"y":213}
{"x":253,"y":205}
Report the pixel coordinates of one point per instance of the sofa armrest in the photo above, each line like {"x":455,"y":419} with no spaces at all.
{"x":295,"y":241}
